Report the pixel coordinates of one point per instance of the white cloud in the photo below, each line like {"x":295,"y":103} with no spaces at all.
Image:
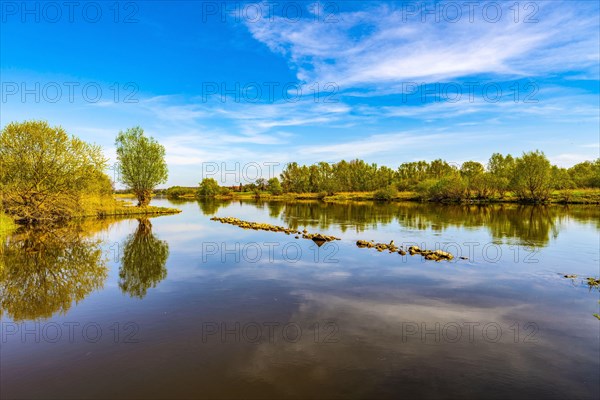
{"x":392,"y":48}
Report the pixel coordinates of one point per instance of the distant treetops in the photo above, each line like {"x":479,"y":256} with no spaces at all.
{"x":531,"y":177}
{"x":528,"y":178}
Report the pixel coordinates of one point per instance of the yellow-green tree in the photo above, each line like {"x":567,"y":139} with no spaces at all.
{"x":44,"y":171}
{"x":142,"y":164}
{"x":209,"y":187}
{"x":532,"y":180}
{"x":274,"y":186}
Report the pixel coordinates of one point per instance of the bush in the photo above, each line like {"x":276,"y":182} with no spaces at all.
{"x":386,"y":194}
{"x":209,"y":187}
{"x":449,"y":188}
{"x":274,"y":186}
{"x":176,"y":192}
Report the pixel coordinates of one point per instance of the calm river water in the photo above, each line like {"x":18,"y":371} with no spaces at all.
{"x":184,"y":307}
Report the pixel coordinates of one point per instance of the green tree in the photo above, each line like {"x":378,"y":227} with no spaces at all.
{"x":142,"y":163}
{"x":261,"y":183}
{"x":586,"y":174}
{"x":44,"y":172}
{"x":412,"y":173}
{"x":294,"y":178}
{"x":502,"y":169}
{"x":274,"y":186}
{"x":472,"y":174}
{"x":209,"y":187}
{"x":532,"y":177}
{"x":449,"y":188}
{"x":439,"y":169}
{"x":561,"y":178}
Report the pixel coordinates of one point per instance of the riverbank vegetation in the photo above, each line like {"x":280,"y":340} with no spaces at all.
{"x":530,"y":178}
{"x":48,"y":176}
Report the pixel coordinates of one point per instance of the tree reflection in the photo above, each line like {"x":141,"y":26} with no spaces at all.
{"x":43,"y":271}
{"x":143,"y":261}
{"x":209,"y":206}
{"x":527,"y":224}
{"x":275,"y":208}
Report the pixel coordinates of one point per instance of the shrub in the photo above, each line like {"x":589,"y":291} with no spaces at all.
{"x":449,"y":188}
{"x":386,"y":194}
{"x":274,"y":186}
{"x":209,"y":187}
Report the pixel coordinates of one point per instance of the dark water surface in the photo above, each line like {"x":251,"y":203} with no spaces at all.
{"x":184,"y":307}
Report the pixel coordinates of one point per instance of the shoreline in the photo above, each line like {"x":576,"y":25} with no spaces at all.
{"x":119,"y":209}
{"x":580,"y":196}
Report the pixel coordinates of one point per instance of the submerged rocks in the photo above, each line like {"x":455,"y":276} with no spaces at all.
{"x":253,"y":225}
{"x":591,"y":282}
{"x":378,"y":246}
{"x":318,"y":238}
{"x":435,"y":255}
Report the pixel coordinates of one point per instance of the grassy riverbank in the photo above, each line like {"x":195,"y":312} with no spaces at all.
{"x":571,"y":196}
{"x":99,"y":207}
{"x":109,"y":206}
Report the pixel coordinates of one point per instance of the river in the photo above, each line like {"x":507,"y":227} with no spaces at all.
{"x":181,"y":306}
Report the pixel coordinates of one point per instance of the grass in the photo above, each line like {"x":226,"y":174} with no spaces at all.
{"x":97,"y":207}
{"x":7,"y":225}
{"x":109,"y":206}
{"x":566,"y":196}
{"x":576,"y":196}
{"x":124,"y":196}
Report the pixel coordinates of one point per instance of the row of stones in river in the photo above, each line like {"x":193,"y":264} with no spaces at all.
{"x":435,"y":255}
{"x":318,"y":238}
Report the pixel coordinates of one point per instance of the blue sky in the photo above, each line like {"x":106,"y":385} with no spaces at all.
{"x":300,"y":81}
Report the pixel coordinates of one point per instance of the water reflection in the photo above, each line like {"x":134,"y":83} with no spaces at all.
{"x":211,"y":206}
{"x":373,"y":300}
{"x":143,"y":261}
{"x":523,"y":224}
{"x":44,"y":271}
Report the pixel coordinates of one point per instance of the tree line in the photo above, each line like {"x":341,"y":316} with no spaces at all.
{"x":531,"y":177}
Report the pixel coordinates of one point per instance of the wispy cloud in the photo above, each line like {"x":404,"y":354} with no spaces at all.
{"x":392,"y":48}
